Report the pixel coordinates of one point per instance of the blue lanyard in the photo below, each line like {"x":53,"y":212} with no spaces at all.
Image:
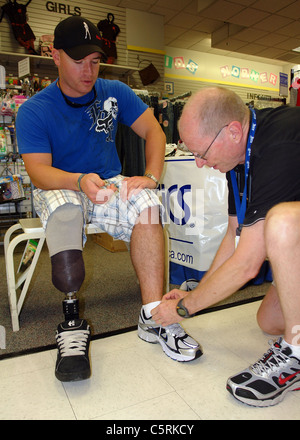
{"x":241,"y":207}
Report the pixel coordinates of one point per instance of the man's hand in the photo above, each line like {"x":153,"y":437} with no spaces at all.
{"x":166,"y":313}
{"x":133,"y":185}
{"x":96,"y":189}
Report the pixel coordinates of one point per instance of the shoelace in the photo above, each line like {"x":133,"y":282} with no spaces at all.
{"x":270,"y":361}
{"x":173,"y":329}
{"x":72,"y":343}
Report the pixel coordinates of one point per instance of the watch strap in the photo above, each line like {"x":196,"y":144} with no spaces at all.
{"x":150,"y":175}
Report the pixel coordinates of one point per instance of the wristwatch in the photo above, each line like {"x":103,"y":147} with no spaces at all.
{"x":181,"y":310}
{"x":150,"y":175}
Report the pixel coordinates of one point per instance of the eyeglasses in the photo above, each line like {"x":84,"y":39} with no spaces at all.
{"x":202,"y":156}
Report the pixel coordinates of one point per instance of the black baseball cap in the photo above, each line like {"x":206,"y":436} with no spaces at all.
{"x":78,"y":37}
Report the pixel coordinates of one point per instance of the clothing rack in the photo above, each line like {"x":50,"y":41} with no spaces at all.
{"x":180,"y":97}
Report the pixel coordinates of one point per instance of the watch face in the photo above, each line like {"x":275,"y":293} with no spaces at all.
{"x":181,"y":312}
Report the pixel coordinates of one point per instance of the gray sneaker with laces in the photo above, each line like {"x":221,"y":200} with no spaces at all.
{"x":175,"y":342}
{"x":266,"y":382}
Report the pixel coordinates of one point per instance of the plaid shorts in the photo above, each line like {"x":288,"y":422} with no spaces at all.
{"x":116,"y":217}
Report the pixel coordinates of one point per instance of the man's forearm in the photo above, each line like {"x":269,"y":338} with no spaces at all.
{"x":155,"y":155}
{"x":225,"y":281}
{"x":242,"y":266}
{"x":48,"y":178}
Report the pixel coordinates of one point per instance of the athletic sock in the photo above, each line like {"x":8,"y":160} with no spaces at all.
{"x":295,"y":348}
{"x":149,"y":307}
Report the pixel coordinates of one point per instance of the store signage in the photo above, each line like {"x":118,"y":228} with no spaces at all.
{"x":179,"y":63}
{"x":256,"y":96}
{"x":242,"y":74}
{"x":245,"y":73}
{"x":284,"y":84}
{"x":62,"y":8}
{"x":192,"y":67}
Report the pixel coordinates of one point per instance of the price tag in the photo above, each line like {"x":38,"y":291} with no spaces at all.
{"x":24,"y":68}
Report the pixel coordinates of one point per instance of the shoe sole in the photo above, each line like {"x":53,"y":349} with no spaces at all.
{"x":153,"y":339}
{"x":73,"y":377}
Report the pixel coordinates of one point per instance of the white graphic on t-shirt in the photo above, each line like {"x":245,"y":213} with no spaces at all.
{"x":103,"y":118}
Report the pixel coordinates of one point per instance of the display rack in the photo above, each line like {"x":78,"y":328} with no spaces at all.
{"x":42,"y":61}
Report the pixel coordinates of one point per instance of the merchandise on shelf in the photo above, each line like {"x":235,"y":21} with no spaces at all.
{"x":11,"y":188}
{"x":6,"y":146}
{"x":28,"y":254}
{"x":46,"y":45}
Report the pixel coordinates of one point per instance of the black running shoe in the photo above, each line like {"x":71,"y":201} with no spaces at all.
{"x":266,"y":382}
{"x":73,"y":340}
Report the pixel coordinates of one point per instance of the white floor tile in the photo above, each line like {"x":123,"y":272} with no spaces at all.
{"x":34,"y":396}
{"x":119,"y":380}
{"x":167,"y":407}
{"x":134,"y":380}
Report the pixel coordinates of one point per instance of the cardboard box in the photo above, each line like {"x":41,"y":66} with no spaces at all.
{"x":109,"y":243}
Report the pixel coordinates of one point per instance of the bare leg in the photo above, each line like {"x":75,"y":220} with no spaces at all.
{"x":147,"y":254}
{"x":269,"y":315}
{"x":282,"y":234}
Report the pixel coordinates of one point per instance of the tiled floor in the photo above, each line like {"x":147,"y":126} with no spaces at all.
{"x":134,"y":380}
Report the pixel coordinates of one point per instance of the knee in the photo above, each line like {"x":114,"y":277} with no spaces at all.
{"x":268,"y":325}
{"x":264,"y":322}
{"x":269,"y":315}
{"x":150,"y":216}
{"x":282,"y":224}
{"x":260,"y":318}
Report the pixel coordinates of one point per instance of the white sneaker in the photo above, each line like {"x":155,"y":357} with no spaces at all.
{"x":175,"y":342}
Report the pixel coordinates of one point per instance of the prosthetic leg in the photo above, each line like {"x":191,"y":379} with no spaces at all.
{"x":64,"y":239}
{"x":67,"y":276}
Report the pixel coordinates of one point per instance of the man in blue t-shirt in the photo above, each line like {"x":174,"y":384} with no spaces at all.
{"x":66,"y":135}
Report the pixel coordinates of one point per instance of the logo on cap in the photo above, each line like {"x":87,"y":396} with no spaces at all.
{"x":87,"y":31}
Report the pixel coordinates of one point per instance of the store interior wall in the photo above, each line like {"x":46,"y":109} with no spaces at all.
{"x":189,"y":70}
{"x":136,"y":47}
{"x":139,"y":43}
{"x":43,"y":16}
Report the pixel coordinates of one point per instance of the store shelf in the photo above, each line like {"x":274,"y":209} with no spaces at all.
{"x":8,"y":57}
{"x":115,"y":69}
